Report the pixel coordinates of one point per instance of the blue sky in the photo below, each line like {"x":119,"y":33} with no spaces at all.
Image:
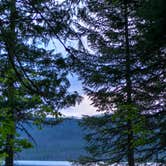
{"x":85,"y":107}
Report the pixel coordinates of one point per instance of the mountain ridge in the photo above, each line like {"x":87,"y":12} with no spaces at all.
{"x":60,"y":142}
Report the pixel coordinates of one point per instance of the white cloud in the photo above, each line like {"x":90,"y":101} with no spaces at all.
{"x":85,"y":108}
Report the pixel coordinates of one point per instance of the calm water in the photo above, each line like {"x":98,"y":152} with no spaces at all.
{"x":66,"y":163}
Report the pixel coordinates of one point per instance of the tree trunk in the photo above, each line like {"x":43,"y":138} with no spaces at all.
{"x":130,"y":155}
{"x":9,"y":151}
{"x":10,"y":47}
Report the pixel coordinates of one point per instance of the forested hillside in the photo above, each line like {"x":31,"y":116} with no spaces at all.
{"x":64,"y":141}
{"x":60,"y":142}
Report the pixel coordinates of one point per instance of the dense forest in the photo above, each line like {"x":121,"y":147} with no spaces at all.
{"x":119,"y":55}
{"x":63,"y":142}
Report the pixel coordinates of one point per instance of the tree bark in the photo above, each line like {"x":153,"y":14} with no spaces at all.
{"x":130,"y":155}
{"x":9,"y":151}
{"x":10,"y":47}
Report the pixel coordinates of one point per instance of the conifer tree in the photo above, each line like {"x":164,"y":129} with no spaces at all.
{"x":153,"y":46}
{"x":120,"y":75}
{"x":33,"y":79}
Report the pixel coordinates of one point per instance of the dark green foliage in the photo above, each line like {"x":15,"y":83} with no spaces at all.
{"x":124,"y":71}
{"x":154,"y":150}
{"x":154,"y":12}
{"x":106,"y":137}
{"x":33,"y":79}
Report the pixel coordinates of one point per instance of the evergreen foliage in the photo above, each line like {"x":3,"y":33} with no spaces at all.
{"x":33,"y":79}
{"x":124,"y":74}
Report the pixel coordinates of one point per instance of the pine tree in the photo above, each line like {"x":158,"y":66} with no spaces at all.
{"x":107,"y":139}
{"x":153,"y":46}
{"x":33,"y":79}
{"x":120,"y":75}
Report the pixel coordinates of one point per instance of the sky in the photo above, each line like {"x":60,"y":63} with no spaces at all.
{"x":85,"y":107}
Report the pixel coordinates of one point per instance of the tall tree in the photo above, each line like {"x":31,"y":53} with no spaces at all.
{"x":118,"y":75}
{"x":33,"y":79}
{"x":153,"y":49}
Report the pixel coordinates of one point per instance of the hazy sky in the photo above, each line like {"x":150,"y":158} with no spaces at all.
{"x":85,"y":108}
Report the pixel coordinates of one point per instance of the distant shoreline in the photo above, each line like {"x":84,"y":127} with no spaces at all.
{"x":66,"y":163}
{"x":40,"y":163}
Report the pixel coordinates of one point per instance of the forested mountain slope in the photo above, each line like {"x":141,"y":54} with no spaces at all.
{"x":60,"y":142}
